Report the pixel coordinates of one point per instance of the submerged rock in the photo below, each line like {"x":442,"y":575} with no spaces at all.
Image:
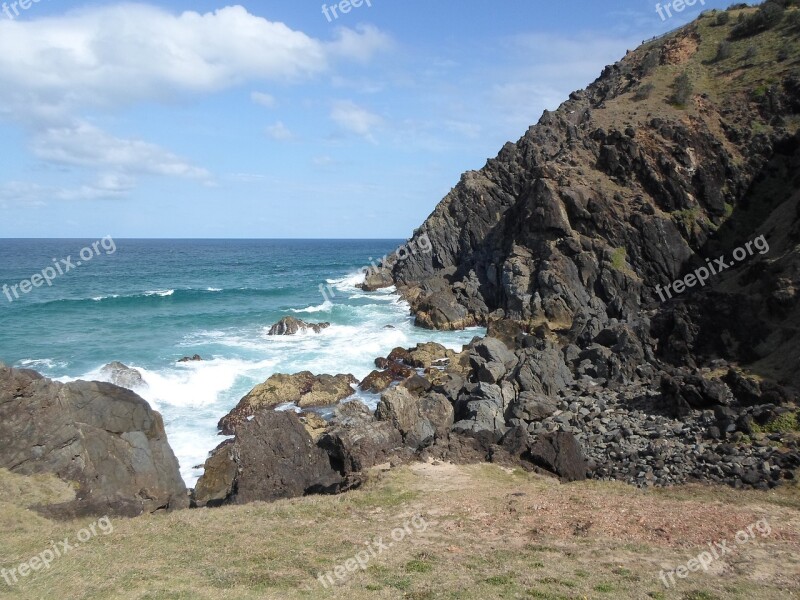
{"x":195,"y":358}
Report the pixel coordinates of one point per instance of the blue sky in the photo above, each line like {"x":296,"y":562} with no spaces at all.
{"x":267,"y":119}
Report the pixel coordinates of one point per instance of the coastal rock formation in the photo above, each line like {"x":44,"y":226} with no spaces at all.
{"x":271,"y":457}
{"x":304,"y":389}
{"x":376,"y":279}
{"x":598,"y":208}
{"x":195,"y":358}
{"x":103,"y":438}
{"x":568,"y":246}
{"x":357,"y":440}
{"x":420,"y":420}
{"x":292,"y":326}
{"x":122,"y":375}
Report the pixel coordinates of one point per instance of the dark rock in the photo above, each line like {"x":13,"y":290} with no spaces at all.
{"x":357,"y":440}
{"x":271,"y":457}
{"x":195,"y":358}
{"x":560,"y":453}
{"x":292,"y":326}
{"x":104,"y":438}
{"x":377,"y":381}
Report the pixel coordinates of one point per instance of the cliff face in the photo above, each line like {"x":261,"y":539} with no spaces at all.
{"x":684,"y":150}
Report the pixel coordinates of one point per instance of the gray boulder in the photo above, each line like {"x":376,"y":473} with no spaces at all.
{"x":357,"y":441}
{"x":420,"y":420}
{"x":122,"y":375}
{"x":481,"y":409}
{"x":530,"y":406}
{"x":104,"y":438}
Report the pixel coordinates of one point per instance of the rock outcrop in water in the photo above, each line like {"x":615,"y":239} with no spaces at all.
{"x":104,"y":439}
{"x":123,"y":375}
{"x":292,"y":326}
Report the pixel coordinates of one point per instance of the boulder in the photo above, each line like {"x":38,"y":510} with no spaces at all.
{"x":292,"y":326}
{"x":420,"y":420}
{"x":219,"y":476}
{"x":105,"y":439}
{"x":304,"y":389}
{"x":543,"y":371}
{"x":377,"y":381}
{"x":357,"y":441}
{"x":428,"y":354}
{"x":530,"y":407}
{"x":376,"y":279}
{"x":560,"y":453}
{"x":195,"y":358}
{"x":122,"y":375}
{"x":481,"y":408}
{"x":271,"y":457}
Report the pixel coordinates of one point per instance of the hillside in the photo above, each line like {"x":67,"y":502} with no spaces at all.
{"x":684,"y":150}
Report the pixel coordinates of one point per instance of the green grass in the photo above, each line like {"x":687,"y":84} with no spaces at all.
{"x":787,"y":422}
{"x":619,"y":259}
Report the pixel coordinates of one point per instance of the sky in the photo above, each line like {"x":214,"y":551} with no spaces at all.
{"x":280,"y":119}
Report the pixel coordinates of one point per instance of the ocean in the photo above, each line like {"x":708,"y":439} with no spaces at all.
{"x":148,"y":303}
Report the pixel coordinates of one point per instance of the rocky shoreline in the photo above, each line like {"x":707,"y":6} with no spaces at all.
{"x":560,"y":246}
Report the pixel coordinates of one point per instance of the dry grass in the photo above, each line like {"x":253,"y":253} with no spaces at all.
{"x":493,"y":533}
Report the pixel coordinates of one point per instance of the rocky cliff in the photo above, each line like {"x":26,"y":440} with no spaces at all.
{"x":683,"y":151}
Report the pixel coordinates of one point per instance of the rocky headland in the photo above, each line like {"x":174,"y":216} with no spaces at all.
{"x":579,"y":248}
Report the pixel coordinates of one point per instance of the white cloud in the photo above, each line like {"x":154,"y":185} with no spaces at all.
{"x":53,"y":70}
{"x":106,"y":186}
{"x":84,"y":145}
{"x":265,"y":100}
{"x":355,"y":119}
{"x":361,"y":44}
{"x":279,"y":132}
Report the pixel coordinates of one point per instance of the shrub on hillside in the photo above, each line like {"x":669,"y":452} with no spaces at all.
{"x":722,"y":19}
{"x":682,"y":90}
{"x":643,"y":93}
{"x":651,"y":60}
{"x":723,"y":51}
{"x":766,"y":17}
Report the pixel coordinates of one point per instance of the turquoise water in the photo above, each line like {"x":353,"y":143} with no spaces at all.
{"x":147,"y":303}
